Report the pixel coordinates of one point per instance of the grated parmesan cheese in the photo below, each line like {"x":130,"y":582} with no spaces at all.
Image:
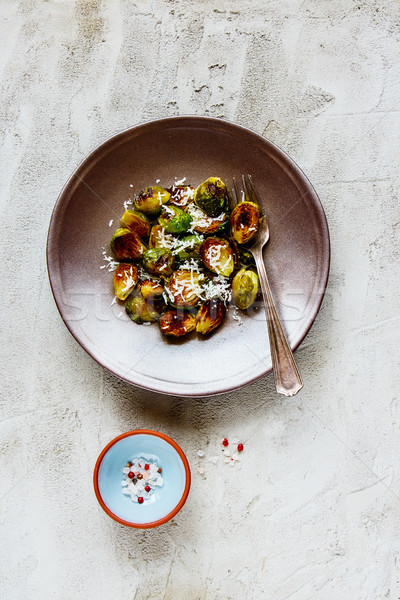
{"x":111,"y":264}
{"x":219,"y":288}
{"x":127,"y":204}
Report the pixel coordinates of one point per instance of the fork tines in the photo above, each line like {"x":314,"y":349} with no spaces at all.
{"x":247,"y":194}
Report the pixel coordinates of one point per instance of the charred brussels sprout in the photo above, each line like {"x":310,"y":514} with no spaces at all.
{"x":174,"y":220}
{"x":177,"y":323}
{"x":210,"y":316}
{"x":218,"y":256}
{"x":244,"y":288}
{"x":126,"y":245}
{"x":136,"y":222}
{"x":245,"y":221}
{"x":212,"y":197}
{"x":151,"y":289}
{"x":181,"y":195}
{"x":141,"y":310}
{"x":159,"y":238}
{"x":151,"y":200}
{"x":158,"y":262}
{"x":184,"y":287}
{"x":202,"y":223}
{"x":125,"y":279}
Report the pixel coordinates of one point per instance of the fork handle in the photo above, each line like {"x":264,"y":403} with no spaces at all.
{"x":287,"y":376}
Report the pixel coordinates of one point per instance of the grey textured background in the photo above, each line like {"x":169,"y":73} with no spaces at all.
{"x":314,"y":511}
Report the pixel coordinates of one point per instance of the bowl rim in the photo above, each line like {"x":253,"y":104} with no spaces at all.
{"x":184,"y":496}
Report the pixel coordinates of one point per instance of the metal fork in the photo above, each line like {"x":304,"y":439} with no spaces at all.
{"x":287,"y":376}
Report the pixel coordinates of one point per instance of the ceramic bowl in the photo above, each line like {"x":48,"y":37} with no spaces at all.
{"x":165,"y":502}
{"x":89,"y":210}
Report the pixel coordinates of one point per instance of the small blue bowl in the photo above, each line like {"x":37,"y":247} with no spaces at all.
{"x":166,"y":501}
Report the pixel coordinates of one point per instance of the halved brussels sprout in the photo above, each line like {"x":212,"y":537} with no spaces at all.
{"x":151,"y":200}
{"x":174,"y":220}
{"x":141,"y":311}
{"x":218,"y":256}
{"x":177,"y":323}
{"x":210,"y":316}
{"x":184,"y":287}
{"x":136,"y":222}
{"x":125,"y":278}
{"x":151,"y":289}
{"x":212,"y":196}
{"x":181,"y":195}
{"x":245,"y":221}
{"x":126,"y":245}
{"x":202,"y":223}
{"x":158,"y":262}
{"x":245,"y":287}
{"x":159,"y":238}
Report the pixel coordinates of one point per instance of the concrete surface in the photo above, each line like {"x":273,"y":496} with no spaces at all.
{"x":314,"y":511}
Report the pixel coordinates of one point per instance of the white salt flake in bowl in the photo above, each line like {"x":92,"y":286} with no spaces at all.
{"x":141,"y":475}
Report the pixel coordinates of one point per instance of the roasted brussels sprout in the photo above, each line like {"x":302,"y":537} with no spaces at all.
{"x":151,"y":200}
{"x":181,"y":195}
{"x":212,"y":197}
{"x":218,"y":256}
{"x":245,"y":221}
{"x":141,"y":311}
{"x":136,"y":222}
{"x":150,"y":288}
{"x":245,"y":287}
{"x":177,"y":323}
{"x":158,"y":262}
{"x":159,"y":238}
{"x":184,"y":288}
{"x":210,"y":316}
{"x":125,"y":279}
{"x":202,"y":223}
{"x":126,"y":245}
{"x":174,"y":220}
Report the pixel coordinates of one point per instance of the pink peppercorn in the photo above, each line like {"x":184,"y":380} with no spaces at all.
{"x":140,"y":500}
{"x":225,"y":442}
{"x":131,"y":475}
{"x":240,"y":447}
{"x":147,"y":467}
{"x":147,"y":488}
